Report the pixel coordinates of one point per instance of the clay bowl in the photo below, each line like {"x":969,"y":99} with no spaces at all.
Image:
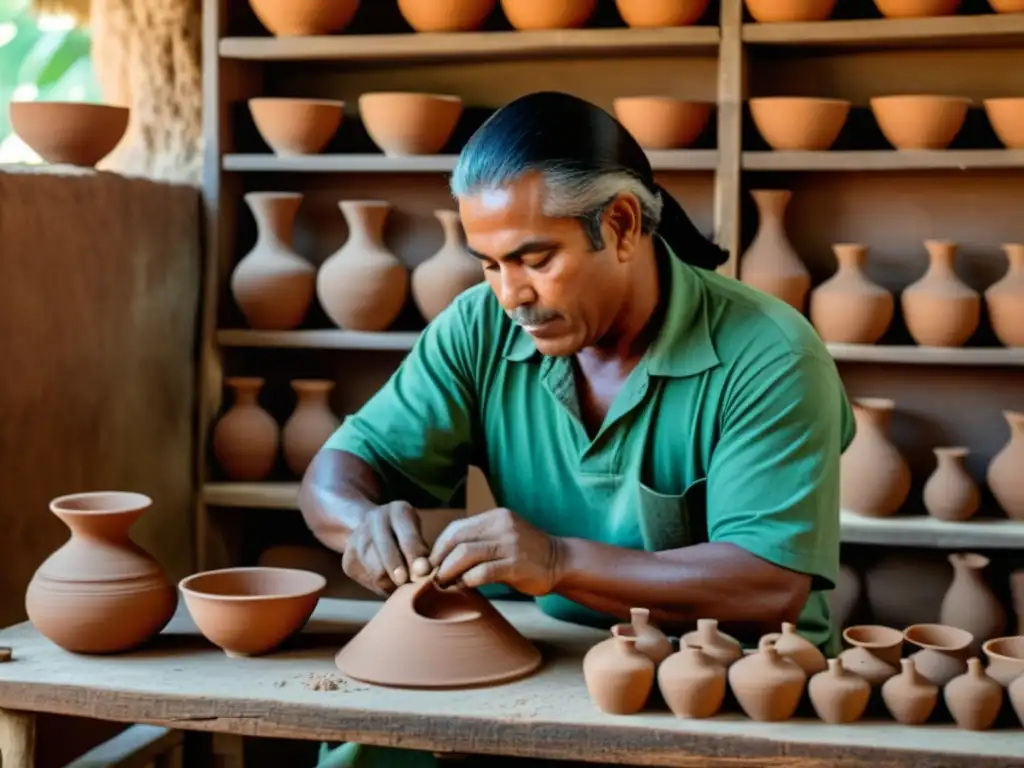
{"x":296,"y":126}
{"x":661,"y":13}
{"x":793,"y":122}
{"x":409,"y":123}
{"x":548,"y":14}
{"x":662,"y":122}
{"x":1005,"y":658}
{"x":251,"y":611}
{"x":920,"y":121}
{"x":68,"y":132}
{"x":446,"y":15}
{"x":916,"y":9}
{"x":1006,"y":116}
{"x":1007,"y":6}
{"x":774,"y":11}
{"x":286,"y":18}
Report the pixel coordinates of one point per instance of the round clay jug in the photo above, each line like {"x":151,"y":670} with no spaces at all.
{"x":100,"y":592}
{"x":874,"y":478}
{"x":272,"y":284}
{"x":1005,"y":299}
{"x":849,"y":308}
{"x":875,"y":654}
{"x":944,"y":651}
{"x":770,"y":264}
{"x":363,"y":286}
{"x":438,"y":280}
{"x":719,"y":646}
{"x":838,"y":695}
{"x":446,"y":15}
{"x":969,"y":603}
{"x":692,"y":683}
{"x":661,"y":13}
{"x":619,"y":677}
{"x":940,"y":310}
{"x":548,"y":14}
{"x":767,"y":685}
{"x":310,"y":424}
{"x":650,"y":640}
{"x":246,"y":438}
{"x":1015,"y":691}
{"x":950,"y":492}
{"x":1004,"y":477}
{"x":974,"y":699}
{"x":793,"y":645}
{"x":909,"y":697}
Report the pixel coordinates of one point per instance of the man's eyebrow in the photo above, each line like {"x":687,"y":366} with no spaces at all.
{"x":531,"y":246}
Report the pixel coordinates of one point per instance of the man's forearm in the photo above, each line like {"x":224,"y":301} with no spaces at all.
{"x":336,"y":491}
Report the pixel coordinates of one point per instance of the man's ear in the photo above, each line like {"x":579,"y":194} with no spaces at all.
{"x":623,"y":220}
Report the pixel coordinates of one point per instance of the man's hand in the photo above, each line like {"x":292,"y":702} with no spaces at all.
{"x":497,"y":547}
{"x":386,"y":549}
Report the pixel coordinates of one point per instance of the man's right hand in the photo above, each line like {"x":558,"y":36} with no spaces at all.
{"x":386,"y":549}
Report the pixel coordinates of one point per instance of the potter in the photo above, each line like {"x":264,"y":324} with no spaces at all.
{"x":656,"y":434}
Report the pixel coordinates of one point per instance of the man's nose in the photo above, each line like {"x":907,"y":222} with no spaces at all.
{"x":513,"y":289}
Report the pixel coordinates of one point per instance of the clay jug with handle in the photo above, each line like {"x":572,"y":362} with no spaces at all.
{"x":770,"y":264}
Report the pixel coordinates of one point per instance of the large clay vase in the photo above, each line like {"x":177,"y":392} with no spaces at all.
{"x":874,"y":478}
{"x":246,"y":438}
{"x":310,"y":424}
{"x":940,"y":310}
{"x":1005,"y":299}
{"x":438,"y":280}
{"x":272,"y":284}
{"x":1004,"y":476}
{"x":969,"y":603}
{"x":619,"y":677}
{"x":950,"y":492}
{"x":770,"y":264}
{"x":100,"y":592}
{"x":848,"y":308}
{"x":363,"y":286}
{"x":767,"y":685}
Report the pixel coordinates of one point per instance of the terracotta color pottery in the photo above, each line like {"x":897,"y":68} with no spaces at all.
{"x":662,"y":122}
{"x":661,"y":13}
{"x":920,"y":121}
{"x":1007,"y":6}
{"x":69,"y":133}
{"x":848,"y":308}
{"x":838,"y":695}
{"x":692,"y":683}
{"x":450,"y":271}
{"x":100,"y":592}
{"x":251,"y":611}
{"x":403,"y":124}
{"x":446,"y":15}
{"x":286,"y":18}
{"x":916,"y":9}
{"x":940,"y":310}
{"x":310,"y":425}
{"x":969,"y":603}
{"x":1005,"y":299}
{"x":799,"y":123}
{"x":876,"y":651}
{"x":548,"y":14}
{"x":711,"y":640}
{"x":363,"y":286}
{"x":272,"y":284}
{"x":427,"y":637}
{"x":874,"y":478}
{"x":1005,"y":658}
{"x":773,"y":11}
{"x":790,"y":644}
{"x":1016,"y":694}
{"x":1006,"y":116}
{"x":944,"y":651}
{"x":296,"y":126}
{"x":770,"y":264}
{"x":974,"y":699}
{"x":950,"y":492}
{"x":618,"y":675}
{"x":909,"y":696}
{"x":1004,"y":476}
{"x":650,"y":640}
{"x":246,"y":438}
{"x":767,"y":685}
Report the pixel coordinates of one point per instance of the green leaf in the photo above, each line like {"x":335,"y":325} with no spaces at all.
{"x":73,"y":48}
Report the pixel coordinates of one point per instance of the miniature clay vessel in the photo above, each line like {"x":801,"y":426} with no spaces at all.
{"x":909,"y":696}
{"x":799,"y":122}
{"x":1006,"y":115}
{"x":438,"y":280}
{"x":286,"y":18}
{"x":619,"y":676}
{"x":661,"y":13}
{"x":650,"y":640}
{"x":969,"y":603}
{"x":792,"y":645}
{"x":944,"y":651}
{"x":1004,"y":477}
{"x":293,"y":126}
{"x":838,"y":695}
{"x":849,"y":308}
{"x":662,"y":122}
{"x":974,"y":699}
{"x":100,"y":592}
{"x":363,"y":286}
{"x":310,"y":424}
{"x":548,"y":14}
{"x":692,"y":683}
{"x":446,"y":15}
{"x":950,"y":492}
{"x":874,"y":478}
{"x":767,"y":685}
{"x":920,"y":121}
{"x":875,"y":655}
{"x":403,"y":124}
{"x":246,"y":438}
{"x":940,"y":310}
{"x":773,"y":11}
{"x":770,"y":264}
{"x":711,"y":640}
{"x":1005,"y":658}
{"x":69,"y":133}
{"x":916,"y":9}
{"x":1005,"y":299}
{"x":272,"y":284}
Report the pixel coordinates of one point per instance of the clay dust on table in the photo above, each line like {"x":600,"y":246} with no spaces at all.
{"x":323,"y":681}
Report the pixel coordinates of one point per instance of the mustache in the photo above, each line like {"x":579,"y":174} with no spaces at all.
{"x":531,"y":315}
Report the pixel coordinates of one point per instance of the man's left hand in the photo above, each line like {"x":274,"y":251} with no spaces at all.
{"x":497,"y":547}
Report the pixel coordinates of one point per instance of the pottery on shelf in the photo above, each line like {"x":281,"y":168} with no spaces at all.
{"x":310,"y":425}
{"x":650,"y":640}
{"x":916,"y":9}
{"x":662,"y":122}
{"x":69,"y":133}
{"x":974,"y":699}
{"x":793,"y":645}
{"x":874,"y":477}
{"x":1005,"y":299}
{"x":770,"y":264}
{"x":909,"y":696}
{"x":1005,"y":658}
{"x":1004,"y":477}
{"x":451,"y":270}
{"x":875,"y":652}
{"x":767,"y":685}
{"x":292,"y":126}
{"x":969,"y":603}
{"x":246,"y":438}
{"x":288,"y":18}
{"x":950,"y":492}
{"x":849,"y":308}
{"x":717,"y":644}
{"x":799,"y":122}
{"x":692,"y":683}
{"x":403,"y":124}
{"x":920,"y":121}
{"x":548,"y":14}
{"x":944,"y":650}
{"x":940,"y":310}
{"x":100,"y":592}
{"x":661,"y":13}
{"x":619,"y":677}
{"x":1006,"y":115}
{"x":363,"y":286}
{"x":446,"y":15}
{"x":838,"y":695}
{"x":775,"y":11}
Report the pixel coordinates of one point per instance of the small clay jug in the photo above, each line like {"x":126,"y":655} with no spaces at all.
{"x":950,"y":492}
{"x":650,"y":640}
{"x":875,"y":652}
{"x":692,"y":683}
{"x":446,"y":15}
{"x":1005,"y":299}
{"x":246,"y":438}
{"x":969,"y":603}
{"x":770,"y":264}
{"x":619,"y":677}
{"x":838,"y":695}
{"x":874,"y":478}
{"x":1004,"y":476}
{"x":940,"y":309}
{"x":715,"y":643}
{"x":792,"y":645}
{"x":848,"y":308}
{"x":310,"y":424}
{"x":767,"y":685}
{"x":909,"y":696}
{"x":272,"y":284}
{"x":944,"y":651}
{"x":974,"y":699}
{"x":438,"y":280}
{"x":1015,"y":692}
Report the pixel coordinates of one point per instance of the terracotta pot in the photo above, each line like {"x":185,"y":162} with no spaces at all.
{"x":246,"y":438}
{"x":446,"y":15}
{"x":296,"y":126}
{"x":548,"y":14}
{"x":692,"y":683}
{"x":792,"y":122}
{"x":767,"y":685}
{"x":650,"y":640}
{"x":718,"y":645}
{"x":1004,"y":477}
{"x":916,"y":9}
{"x":662,"y":122}
{"x":310,"y":425}
{"x":1005,"y":658}
{"x":950,"y":492}
{"x":940,"y":310}
{"x":1006,"y":116}
{"x":1004,"y":299}
{"x":920,"y":121}
{"x":272,"y":284}
{"x":875,"y":654}
{"x":944,"y":651}
{"x":286,"y":18}
{"x":661,"y":13}
{"x":403,"y":124}
{"x":771,"y":11}
{"x":838,"y":695}
{"x":874,"y":478}
{"x":1007,"y":6}
{"x":618,"y":675}
{"x":974,"y":699}
{"x":849,"y":308}
{"x":70,"y":133}
{"x":792,"y":645}
{"x":450,"y":271}
{"x":1016,"y":694}
{"x":770,"y":264}
{"x":969,"y":603}
{"x":909,"y":696}
{"x":100,"y":592}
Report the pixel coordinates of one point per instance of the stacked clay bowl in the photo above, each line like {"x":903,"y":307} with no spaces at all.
{"x":920,"y":121}
{"x":548,"y":14}
{"x":1006,"y":116}
{"x":796,"y":122}
{"x":775,"y":11}
{"x":446,"y":15}
{"x":661,"y":13}
{"x":916,"y":9}
{"x":1005,"y":658}
{"x":68,"y":132}
{"x":287,"y":18}
{"x":404,"y":124}
{"x":296,"y":126}
{"x":662,"y":122}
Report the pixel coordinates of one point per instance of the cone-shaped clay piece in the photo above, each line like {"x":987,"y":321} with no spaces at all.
{"x":794,"y":646}
{"x":692,"y":683}
{"x":950,"y":492}
{"x":974,"y":699}
{"x":619,"y":677}
{"x":715,"y":643}
{"x":767,"y":685}
{"x":650,"y":640}
{"x":1005,"y":657}
{"x":427,"y":637}
{"x":838,"y":695}
{"x":875,"y":654}
{"x":943,"y":653}
{"x":909,"y":696}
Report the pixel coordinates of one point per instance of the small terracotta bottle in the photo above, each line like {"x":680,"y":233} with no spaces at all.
{"x":794,"y":646}
{"x":838,"y":695}
{"x":715,"y":643}
{"x":874,"y":478}
{"x":770,"y":264}
{"x":908,"y":696}
{"x":619,"y":677}
{"x":767,"y":685}
{"x":438,"y":280}
{"x":1004,"y":477}
{"x":1005,"y":299}
{"x":940,"y":310}
{"x":246,"y":438}
{"x":650,"y":640}
{"x":974,"y":699}
{"x":950,"y":493}
{"x":969,"y":603}
{"x":310,"y":424}
{"x":692,"y":683}
{"x":849,"y":308}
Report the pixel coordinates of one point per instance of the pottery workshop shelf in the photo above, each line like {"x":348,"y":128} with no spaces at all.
{"x":884,"y":160}
{"x":913,"y":355}
{"x":252,"y":495}
{"x":319,"y":339}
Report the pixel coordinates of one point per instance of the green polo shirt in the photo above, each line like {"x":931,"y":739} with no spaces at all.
{"x":729,"y":429}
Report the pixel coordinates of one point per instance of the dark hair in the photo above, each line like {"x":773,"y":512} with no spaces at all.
{"x":587,"y":158}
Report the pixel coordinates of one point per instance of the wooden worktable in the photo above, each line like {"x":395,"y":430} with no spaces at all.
{"x":182,"y":682}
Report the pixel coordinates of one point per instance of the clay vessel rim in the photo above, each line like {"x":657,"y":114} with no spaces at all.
{"x":938,"y":242}
{"x":844,"y":246}
{"x":769,"y":100}
{"x":895,"y":97}
{"x":1013,"y":416}
{"x":296,"y":100}
{"x":374,"y":95}
{"x":267,"y":195}
{"x":970,"y":560}
{"x":991,"y":648}
{"x":888,"y":636}
{"x":875,"y":403}
{"x":959,"y":638}
{"x":641,"y":97}
{"x":956,"y":451}
{"x":365,"y":203}
{"x":428,"y":582}
{"x":245,"y":381}
{"x":130,"y":501}
{"x":70,"y":105}
{"x":312,"y":385}
{"x":317,"y":583}
{"x":1019,"y":100}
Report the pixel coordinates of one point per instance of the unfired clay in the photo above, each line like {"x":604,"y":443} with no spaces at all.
{"x":773,"y":11}
{"x":450,"y":271}
{"x":838,"y":695}
{"x":916,"y":9}
{"x":875,"y":655}
{"x":69,"y":133}
{"x":1006,"y":114}
{"x":793,"y":645}
{"x":799,"y":122}
{"x":1005,"y":479}
{"x":848,"y":308}
{"x":940,"y":310}
{"x":618,"y":675}
{"x":909,"y":696}
{"x":293,"y":126}
{"x":661,"y":13}
{"x":974,"y":699}
{"x":1005,"y":658}
{"x":310,"y":424}
{"x":286,"y":18}
{"x":662,"y":122}
{"x":404,"y":124}
{"x":767,"y":685}
{"x":246,"y":438}
{"x":770,"y":263}
{"x":944,"y":651}
{"x":1004,"y":299}
{"x":650,"y":640}
{"x":969,"y":603}
{"x":950,"y":492}
{"x":874,"y":478}
{"x":446,"y":15}
{"x":692,"y":683}
{"x":548,"y":14}
{"x":920,"y":121}
{"x":717,"y":644}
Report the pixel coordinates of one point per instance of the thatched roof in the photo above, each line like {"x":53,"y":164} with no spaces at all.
{"x":77,"y":8}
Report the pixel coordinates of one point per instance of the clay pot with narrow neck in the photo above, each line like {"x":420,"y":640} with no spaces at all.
{"x":944,"y":651}
{"x":1005,"y":299}
{"x":272,"y":284}
{"x":950,"y":492}
{"x":100,"y":592}
{"x":909,"y":696}
{"x":969,"y":603}
{"x":310,"y":424}
{"x":793,"y":645}
{"x":692,"y":683}
{"x":438,"y":280}
{"x":246,"y":438}
{"x":650,"y":640}
{"x":767,"y":685}
{"x":940,"y":309}
{"x":838,"y":695}
{"x":770,"y":264}
{"x":618,"y":675}
{"x":875,"y":652}
{"x":363,"y":286}
{"x":874,"y":478}
{"x":974,"y":699}
{"x":721,"y":647}
{"x":848,"y":308}
{"x":1004,"y":477}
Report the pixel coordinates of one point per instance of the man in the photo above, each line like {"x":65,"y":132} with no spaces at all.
{"x":656,"y":434}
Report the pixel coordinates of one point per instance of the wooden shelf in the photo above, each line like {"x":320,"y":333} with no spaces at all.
{"x":884,"y":160}
{"x":913,"y":355}
{"x":252,"y":495}
{"x":401,"y":341}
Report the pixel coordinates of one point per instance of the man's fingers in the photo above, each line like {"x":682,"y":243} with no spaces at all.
{"x":360,"y":563}
{"x":464,"y":557}
{"x":386,"y":544}
{"x":491,"y":572}
{"x":405,"y":523}
{"x":462,"y":531}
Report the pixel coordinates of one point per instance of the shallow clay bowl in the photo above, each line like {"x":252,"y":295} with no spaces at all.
{"x":548,"y":14}
{"x":662,"y":122}
{"x":68,"y":132}
{"x":661,"y":13}
{"x":446,"y":15}
{"x":920,"y":121}
{"x":1005,"y":658}
{"x":773,"y":11}
{"x":251,"y":611}
{"x":296,"y":126}
{"x":793,"y":122}
{"x":409,"y":123}
{"x":1006,"y":116}
{"x":916,"y":9}
{"x":286,"y":18}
